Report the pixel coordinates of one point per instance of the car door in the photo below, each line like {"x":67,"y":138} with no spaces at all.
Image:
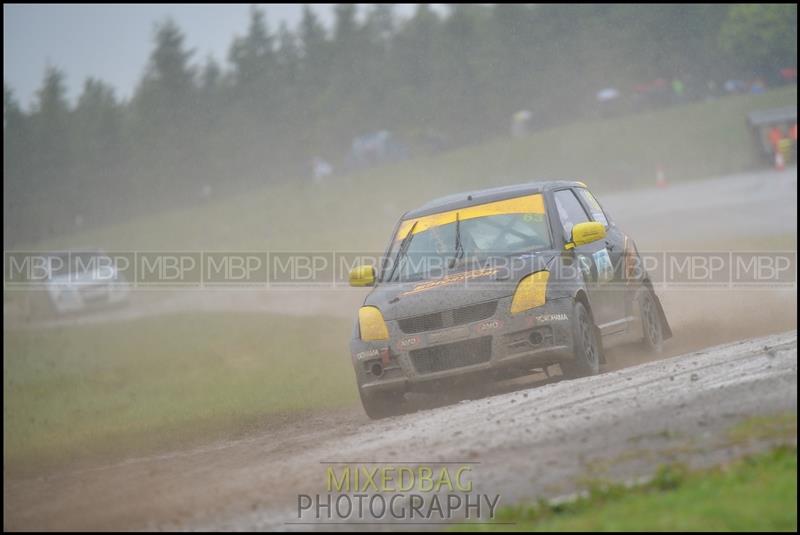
{"x":616,"y":290}
{"x":592,"y":259}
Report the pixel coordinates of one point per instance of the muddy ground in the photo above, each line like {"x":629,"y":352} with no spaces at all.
{"x":536,"y":441}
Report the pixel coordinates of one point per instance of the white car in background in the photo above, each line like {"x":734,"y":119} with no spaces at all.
{"x":82,"y":280}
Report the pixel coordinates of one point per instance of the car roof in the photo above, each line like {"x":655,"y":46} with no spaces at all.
{"x":473,"y":198}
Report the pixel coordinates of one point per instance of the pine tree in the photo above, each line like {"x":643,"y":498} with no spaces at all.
{"x":253,"y":56}
{"x":167,"y":92}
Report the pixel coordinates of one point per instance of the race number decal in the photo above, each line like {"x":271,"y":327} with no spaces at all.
{"x":605,"y":270}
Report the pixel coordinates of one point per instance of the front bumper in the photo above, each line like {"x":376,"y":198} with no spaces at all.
{"x":502,"y":344}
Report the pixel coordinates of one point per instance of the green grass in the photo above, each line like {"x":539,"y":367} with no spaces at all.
{"x":357,"y":212}
{"x":83,"y":393}
{"x":758,"y":493}
{"x":760,"y":428}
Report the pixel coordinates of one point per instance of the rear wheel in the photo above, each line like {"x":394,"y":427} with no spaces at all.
{"x":586,"y":346}
{"x":379,"y":405}
{"x":652,"y":330}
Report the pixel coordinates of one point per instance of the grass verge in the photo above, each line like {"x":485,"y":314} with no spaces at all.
{"x":777,"y":427}
{"x":107,"y":391}
{"x":756,"y":493}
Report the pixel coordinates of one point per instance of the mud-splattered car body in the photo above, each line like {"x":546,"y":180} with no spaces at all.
{"x":546,"y":277}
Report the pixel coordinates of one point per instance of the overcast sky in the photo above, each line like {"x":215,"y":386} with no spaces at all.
{"x":112,"y":42}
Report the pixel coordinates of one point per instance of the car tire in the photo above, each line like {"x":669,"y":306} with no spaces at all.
{"x":380,"y":405}
{"x":652,"y":329}
{"x":586,"y":346}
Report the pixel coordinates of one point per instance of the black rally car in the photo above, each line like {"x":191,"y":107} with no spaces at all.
{"x":495,"y":284}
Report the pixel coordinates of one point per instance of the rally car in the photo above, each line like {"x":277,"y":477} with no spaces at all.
{"x":499,"y":283}
{"x":79,"y":281}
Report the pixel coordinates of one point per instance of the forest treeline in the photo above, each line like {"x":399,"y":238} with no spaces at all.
{"x":196,"y":127}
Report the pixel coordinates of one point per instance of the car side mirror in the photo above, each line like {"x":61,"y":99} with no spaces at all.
{"x":362,"y":276}
{"x":587,"y":232}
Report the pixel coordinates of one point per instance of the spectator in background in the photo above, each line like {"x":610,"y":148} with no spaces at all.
{"x":520,"y":123}
{"x":758,"y":86}
{"x":321,"y":170}
{"x":789,"y":74}
{"x":782,"y":146}
{"x":678,"y":88}
{"x":734,"y":86}
{"x":775,"y":135}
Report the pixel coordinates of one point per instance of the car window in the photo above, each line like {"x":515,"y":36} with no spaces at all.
{"x":508,"y":233}
{"x":594,"y":206}
{"x":570,"y":211}
{"x":507,"y":227}
{"x":481,"y":238}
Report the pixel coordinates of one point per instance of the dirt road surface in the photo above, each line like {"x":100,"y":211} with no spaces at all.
{"x":528,"y":443}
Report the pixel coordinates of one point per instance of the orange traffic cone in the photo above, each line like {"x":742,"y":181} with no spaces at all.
{"x":780,"y":164}
{"x":661,"y":178}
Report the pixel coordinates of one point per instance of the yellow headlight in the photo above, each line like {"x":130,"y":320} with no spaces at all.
{"x":531,"y":292}
{"x":371,"y":324}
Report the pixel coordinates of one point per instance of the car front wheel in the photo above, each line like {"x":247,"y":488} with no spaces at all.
{"x":586,"y":346}
{"x":652,"y":331}
{"x":379,"y":405}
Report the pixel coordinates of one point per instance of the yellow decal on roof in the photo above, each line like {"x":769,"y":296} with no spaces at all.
{"x":529,"y":204}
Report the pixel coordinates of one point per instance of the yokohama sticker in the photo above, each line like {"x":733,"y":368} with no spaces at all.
{"x":543,"y":318}
{"x":367,"y":354}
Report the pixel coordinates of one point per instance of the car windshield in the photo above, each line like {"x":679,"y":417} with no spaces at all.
{"x":497,"y":229}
